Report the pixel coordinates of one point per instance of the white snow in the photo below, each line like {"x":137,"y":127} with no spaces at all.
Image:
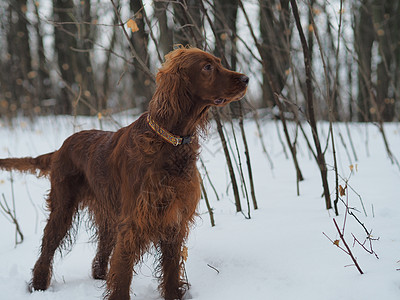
{"x":279,"y":254}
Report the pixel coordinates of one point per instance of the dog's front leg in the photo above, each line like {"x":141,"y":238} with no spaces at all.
{"x":126,"y":254}
{"x":172,"y":286}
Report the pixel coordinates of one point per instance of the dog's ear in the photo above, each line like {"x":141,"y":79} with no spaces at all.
{"x":172,"y":96}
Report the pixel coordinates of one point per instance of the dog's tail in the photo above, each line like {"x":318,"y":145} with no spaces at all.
{"x":31,"y":165}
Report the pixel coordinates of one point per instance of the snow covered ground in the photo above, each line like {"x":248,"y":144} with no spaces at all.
{"x":278,"y":254}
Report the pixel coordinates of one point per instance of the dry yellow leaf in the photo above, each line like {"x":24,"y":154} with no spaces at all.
{"x":342,"y":190}
{"x":32,"y":74}
{"x":316,"y":11}
{"x":336,"y":242}
{"x":351,"y":168}
{"x":87,"y":93}
{"x":99,"y":116}
{"x":184,"y":253}
{"x":13,"y":107}
{"x":132,"y":25}
{"x":224,"y":36}
{"x":4,"y":103}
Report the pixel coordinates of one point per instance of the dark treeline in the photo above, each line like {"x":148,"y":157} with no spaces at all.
{"x":73,"y":57}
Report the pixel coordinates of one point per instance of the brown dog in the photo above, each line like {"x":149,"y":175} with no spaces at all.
{"x":140,"y":184}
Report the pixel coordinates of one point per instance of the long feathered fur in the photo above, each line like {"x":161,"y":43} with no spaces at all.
{"x":138,"y":189}
{"x":39,"y":166}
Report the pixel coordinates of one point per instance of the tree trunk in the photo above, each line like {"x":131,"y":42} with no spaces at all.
{"x":275,"y":32}
{"x":165,"y":39}
{"x":142,"y":84}
{"x":188,"y":23}
{"x":225,"y":16}
{"x":64,"y":38}
{"x":364,"y":38}
{"x":84,"y":72}
{"x":21,"y":91}
{"x":310,"y":108}
{"x":384,"y":20}
{"x":73,"y":47}
{"x":43,"y":76}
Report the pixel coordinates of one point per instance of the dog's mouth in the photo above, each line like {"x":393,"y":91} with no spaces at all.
{"x":223,"y":101}
{"x":220,"y":101}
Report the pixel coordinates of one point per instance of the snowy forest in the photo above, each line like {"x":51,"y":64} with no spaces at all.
{"x":300,"y":179}
{"x":56,"y":52}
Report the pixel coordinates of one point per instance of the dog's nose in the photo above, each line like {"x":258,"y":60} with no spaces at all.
{"x":244,"y":79}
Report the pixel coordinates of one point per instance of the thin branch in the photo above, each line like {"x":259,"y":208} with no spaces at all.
{"x":134,"y":54}
{"x":210,"y":210}
{"x":209,"y":179}
{"x":12,"y":215}
{"x":347,"y":247}
{"x":310,"y":106}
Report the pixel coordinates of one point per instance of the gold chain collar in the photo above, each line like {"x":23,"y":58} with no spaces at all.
{"x":166,"y":135}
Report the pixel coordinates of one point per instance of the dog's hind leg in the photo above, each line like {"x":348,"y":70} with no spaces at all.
{"x":63,"y":205}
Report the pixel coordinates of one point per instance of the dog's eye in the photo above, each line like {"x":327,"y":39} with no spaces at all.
{"x":208,"y":67}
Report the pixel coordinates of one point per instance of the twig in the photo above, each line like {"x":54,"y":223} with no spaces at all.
{"x":359,"y":196}
{"x":34,"y":207}
{"x":214,"y":268}
{"x":260,"y":134}
{"x":209,"y":179}
{"x":370,"y":251}
{"x":345,"y":146}
{"x":336,"y":243}
{"x":244,"y":186}
{"x":280,"y":139}
{"x":13,"y":219}
{"x":347,"y":247}
{"x":217,"y":119}
{"x":351,"y":141}
{"x":210,"y":210}
{"x":247,"y":154}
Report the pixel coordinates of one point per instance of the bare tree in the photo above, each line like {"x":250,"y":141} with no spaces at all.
{"x":142,"y":83}
{"x":72,"y":44}
{"x":165,"y":37}
{"x":275,"y":32}
{"x":20,"y":91}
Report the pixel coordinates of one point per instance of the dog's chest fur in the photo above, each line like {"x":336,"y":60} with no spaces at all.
{"x":181,"y":161}
{"x":178,"y":186}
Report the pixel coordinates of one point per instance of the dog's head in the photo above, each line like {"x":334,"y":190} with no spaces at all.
{"x":189,"y":82}
{"x":204,"y":77}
